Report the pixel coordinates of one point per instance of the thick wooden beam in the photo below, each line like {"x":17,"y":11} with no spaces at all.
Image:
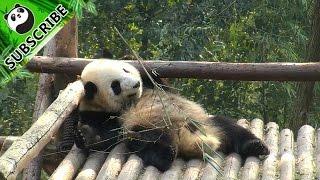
{"x":34,"y":140}
{"x":194,"y":69}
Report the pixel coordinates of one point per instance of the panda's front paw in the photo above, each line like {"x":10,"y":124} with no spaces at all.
{"x":87,"y":137}
{"x":79,"y":139}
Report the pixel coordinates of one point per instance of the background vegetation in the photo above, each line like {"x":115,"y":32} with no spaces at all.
{"x":229,"y":31}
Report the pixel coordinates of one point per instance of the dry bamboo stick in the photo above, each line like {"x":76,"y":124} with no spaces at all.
{"x":269,"y":168}
{"x":193,"y":169}
{"x":250,"y":169}
{"x":151,"y":173}
{"x":113,"y":164}
{"x":318,"y":155}
{"x":175,"y":171}
{"x":69,"y":165}
{"x":305,"y":143}
{"x":211,"y":171}
{"x":33,"y":141}
{"x":131,"y":168}
{"x":287,"y":160}
{"x":92,"y":166}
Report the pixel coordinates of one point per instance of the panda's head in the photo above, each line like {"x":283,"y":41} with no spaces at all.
{"x":20,"y":19}
{"x":110,"y":85}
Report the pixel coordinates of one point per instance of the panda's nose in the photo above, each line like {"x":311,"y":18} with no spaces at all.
{"x":19,"y":16}
{"x":137,"y":85}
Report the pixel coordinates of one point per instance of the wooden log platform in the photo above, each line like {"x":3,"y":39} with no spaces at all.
{"x":288,"y":160}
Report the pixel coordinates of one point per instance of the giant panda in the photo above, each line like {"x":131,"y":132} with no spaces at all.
{"x":160,"y":125}
{"x":20,"y":19}
{"x":110,"y":87}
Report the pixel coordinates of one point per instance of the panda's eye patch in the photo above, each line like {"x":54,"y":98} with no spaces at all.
{"x":116,"y":88}
{"x":13,"y":17}
{"x":126,"y":70}
{"x":20,"y":10}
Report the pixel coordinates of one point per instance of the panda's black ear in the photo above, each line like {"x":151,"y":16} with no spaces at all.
{"x":17,"y":5}
{"x":90,"y":90}
{"x":6,"y":16}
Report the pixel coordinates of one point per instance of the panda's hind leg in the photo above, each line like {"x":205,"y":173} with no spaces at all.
{"x":238,"y":139}
{"x":154,"y":147}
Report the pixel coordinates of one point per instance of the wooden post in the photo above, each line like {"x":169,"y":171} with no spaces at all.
{"x":305,"y":150}
{"x":28,"y":146}
{"x":287,"y":159}
{"x":269,"y":168}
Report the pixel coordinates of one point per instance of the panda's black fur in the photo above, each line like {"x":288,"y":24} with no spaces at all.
{"x":157,"y":134}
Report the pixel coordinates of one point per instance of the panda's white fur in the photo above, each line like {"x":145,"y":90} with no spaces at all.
{"x":159,"y":125}
{"x":102,"y":73}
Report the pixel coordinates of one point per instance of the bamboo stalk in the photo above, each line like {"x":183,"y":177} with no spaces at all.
{"x":269,"y":168}
{"x":33,"y":141}
{"x":70,"y":165}
{"x":287,"y":160}
{"x":305,"y":143}
{"x":194,"y":69}
{"x":92,"y":166}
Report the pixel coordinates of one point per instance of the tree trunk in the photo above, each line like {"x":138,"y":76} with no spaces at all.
{"x":304,"y":98}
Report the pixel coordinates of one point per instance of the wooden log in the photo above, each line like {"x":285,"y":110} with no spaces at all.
{"x":70,"y":165}
{"x":193,"y":169}
{"x":209,"y":172}
{"x":6,"y":142}
{"x":175,"y":171}
{"x":287,"y":160}
{"x":92,"y":166}
{"x":113,"y":164}
{"x":318,"y":154}
{"x":131,"y":168}
{"x":33,"y":141}
{"x":305,"y":143}
{"x":43,"y":100}
{"x":195,"y":69}
{"x":151,"y":173}
{"x":251,"y":167}
{"x":232,"y":166}
{"x":233,"y":161}
{"x":269,"y":168}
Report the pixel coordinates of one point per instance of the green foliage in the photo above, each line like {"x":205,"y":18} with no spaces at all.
{"x":17,"y":102}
